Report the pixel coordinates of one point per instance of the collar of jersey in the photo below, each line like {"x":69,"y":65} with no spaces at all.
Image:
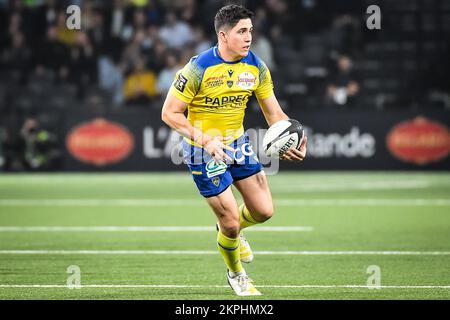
{"x":216,"y":53}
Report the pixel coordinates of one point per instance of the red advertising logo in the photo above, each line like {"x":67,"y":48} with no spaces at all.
{"x":419,"y":141}
{"x":100,"y":142}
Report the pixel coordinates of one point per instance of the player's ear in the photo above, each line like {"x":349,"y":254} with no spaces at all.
{"x":222,"y":35}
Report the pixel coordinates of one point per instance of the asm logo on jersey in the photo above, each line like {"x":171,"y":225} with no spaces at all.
{"x":240,"y":98}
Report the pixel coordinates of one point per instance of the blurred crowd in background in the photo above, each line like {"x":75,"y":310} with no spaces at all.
{"x":320,"y":53}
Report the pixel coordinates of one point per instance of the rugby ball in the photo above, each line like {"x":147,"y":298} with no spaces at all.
{"x":282,"y":136}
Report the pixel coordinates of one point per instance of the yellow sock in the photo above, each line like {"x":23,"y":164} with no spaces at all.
{"x":245,"y":218}
{"x":229,"y":249}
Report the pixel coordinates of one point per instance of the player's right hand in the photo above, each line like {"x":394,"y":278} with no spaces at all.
{"x":216,"y":148}
{"x":296,"y":154}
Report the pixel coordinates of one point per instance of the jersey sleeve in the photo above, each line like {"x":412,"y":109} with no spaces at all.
{"x":187,"y":82}
{"x":265,"y":87}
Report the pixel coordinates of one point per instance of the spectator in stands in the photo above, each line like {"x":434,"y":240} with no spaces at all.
{"x":261,"y":22}
{"x":40,"y":150}
{"x":345,"y":34}
{"x":188,"y":11}
{"x":280,"y":13}
{"x":87,"y":13}
{"x":65,"y":35}
{"x":83,"y":62}
{"x":344,"y":86}
{"x":140,"y":86}
{"x":186,"y":54}
{"x":151,"y":36}
{"x":117,"y":18}
{"x":53,"y":55}
{"x":263,"y":49}
{"x":45,"y":16}
{"x":21,"y":18}
{"x":165,"y":78}
{"x":48,"y":14}
{"x":154,"y":13}
{"x":15,"y":24}
{"x":200,"y":41}
{"x":18,"y":58}
{"x":175,"y":33}
{"x":98,"y":34}
{"x":157,"y":56}
{"x":42,"y":78}
{"x":111,"y":77}
{"x":138,"y":24}
{"x":134,"y":50}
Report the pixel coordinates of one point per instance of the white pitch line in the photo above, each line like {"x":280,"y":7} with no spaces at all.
{"x":170,"y":286}
{"x":199,"y":202}
{"x":146,"y":229}
{"x":363,"y":202}
{"x":347,"y":186}
{"x":101,"y":202}
{"x":211,"y":252}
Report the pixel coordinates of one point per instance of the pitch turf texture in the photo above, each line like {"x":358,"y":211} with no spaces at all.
{"x":346,"y":223}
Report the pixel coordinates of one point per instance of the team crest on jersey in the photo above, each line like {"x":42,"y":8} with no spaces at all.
{"x":230,"y":83}
{"x":216,"y":181}
{"x":214,"y":169}
{"x":180,"y":84}
{"x":246,"y":80}
{"x":230,"y":72}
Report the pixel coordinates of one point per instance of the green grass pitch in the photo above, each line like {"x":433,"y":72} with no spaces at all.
{"x":397,"y":221}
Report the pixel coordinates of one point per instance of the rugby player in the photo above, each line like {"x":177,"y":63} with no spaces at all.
{"x":214,"y":87}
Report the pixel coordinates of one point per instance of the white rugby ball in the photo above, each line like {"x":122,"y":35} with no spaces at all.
{"x":282,"y":136}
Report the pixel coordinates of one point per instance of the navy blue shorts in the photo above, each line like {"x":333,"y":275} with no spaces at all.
{"x":212,"y":178}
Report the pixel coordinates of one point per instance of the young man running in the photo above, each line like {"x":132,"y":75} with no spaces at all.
{"x":215,"y":87}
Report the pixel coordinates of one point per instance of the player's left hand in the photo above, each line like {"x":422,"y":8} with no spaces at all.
{"x":296,"y":154}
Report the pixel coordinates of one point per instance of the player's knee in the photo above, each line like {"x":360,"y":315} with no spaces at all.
{"x":265,"y":212}
{"x":230,"y":228}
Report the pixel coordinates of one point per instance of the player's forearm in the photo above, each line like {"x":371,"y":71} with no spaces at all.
{"x":272,"y":118}
{"x":273,"y":115}
{"x":272,"y":110}
{"x":179,"y":122}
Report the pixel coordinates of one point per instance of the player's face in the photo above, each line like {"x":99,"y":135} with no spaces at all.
{"x":239,"y":37}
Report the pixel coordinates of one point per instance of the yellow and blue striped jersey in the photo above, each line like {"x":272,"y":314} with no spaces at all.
{"x":217,"y":91}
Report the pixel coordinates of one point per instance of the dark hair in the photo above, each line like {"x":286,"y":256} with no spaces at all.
{"x":230,"y":15}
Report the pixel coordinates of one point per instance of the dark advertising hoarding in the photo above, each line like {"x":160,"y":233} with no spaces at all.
{"x":338,"y":140}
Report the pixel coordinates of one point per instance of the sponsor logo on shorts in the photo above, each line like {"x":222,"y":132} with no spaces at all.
{"x":243,"y":151}
{"x":214,"y":169}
